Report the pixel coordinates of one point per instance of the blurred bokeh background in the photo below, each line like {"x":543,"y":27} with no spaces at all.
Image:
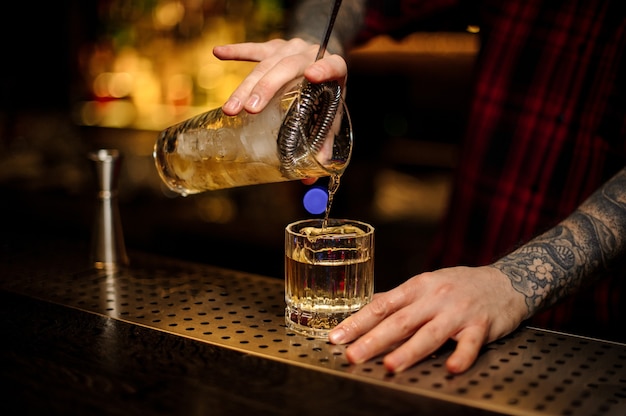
{"x":81,"y":75}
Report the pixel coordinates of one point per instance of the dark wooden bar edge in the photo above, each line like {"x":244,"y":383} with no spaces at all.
{"x":61,"y":360}
{"x":168,"y":337}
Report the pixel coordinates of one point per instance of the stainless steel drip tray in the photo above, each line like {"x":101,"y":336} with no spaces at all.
{"x":529,"y":372}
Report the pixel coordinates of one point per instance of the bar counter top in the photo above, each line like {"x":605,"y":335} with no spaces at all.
{"x":169,"y":337}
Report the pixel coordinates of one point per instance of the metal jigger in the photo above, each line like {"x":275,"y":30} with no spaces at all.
{"x":108,"y":251}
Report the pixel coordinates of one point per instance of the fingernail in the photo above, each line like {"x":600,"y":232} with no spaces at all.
{"x":253,"y":101}
{"x":454,"y":365}
{"x":232,"y":105}
{"x":355,"y":354}
{"x":337,"y":336}
{"x":394,"y":364}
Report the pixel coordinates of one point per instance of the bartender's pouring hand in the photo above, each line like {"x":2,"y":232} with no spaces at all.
{"x":472,"y":306}
{"x":279,"y":62}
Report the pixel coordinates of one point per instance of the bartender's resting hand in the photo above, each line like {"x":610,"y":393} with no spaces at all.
{"x":472,"y":306}
{"x":279,"y":62}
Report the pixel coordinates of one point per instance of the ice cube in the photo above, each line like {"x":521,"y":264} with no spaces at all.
{"x":207,"y":143}
{"x":345,"y":229}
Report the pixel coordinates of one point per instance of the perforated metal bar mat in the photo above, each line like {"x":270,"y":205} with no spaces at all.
{"x":529,"y":372}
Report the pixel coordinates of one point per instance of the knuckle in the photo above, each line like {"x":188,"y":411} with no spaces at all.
{"x":378,"y":307}
{"x":295,"y":45}
{"x":277,"y":41}
{"x":444,"y":289}
{"x":263,"y":87}
{"x":434,"y":333}
{"x":405,"y":324}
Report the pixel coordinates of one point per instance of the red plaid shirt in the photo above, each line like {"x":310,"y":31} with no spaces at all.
{"x":547,"y":127}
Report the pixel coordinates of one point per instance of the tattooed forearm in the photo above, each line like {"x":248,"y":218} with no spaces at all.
{"x":559,"y":261}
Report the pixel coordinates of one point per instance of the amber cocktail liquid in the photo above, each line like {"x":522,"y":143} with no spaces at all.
{"x":304,"y":132}
{"x":329,"y":273}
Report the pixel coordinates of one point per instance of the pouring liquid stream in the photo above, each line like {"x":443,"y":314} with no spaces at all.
{"x":333,"y":185}
{"x":335,"y":178}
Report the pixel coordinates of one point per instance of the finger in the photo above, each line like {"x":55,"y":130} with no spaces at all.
{"x":241,"y":95}
{"x":332,"y":67}
{"x":426,"y":340}
{"x":263,"y":82}
{"x":245,"y":97}
{"x":258,"y":88}
{"x":381,"y":306}
{"x":373,"y":343}
{"x":394,"y":329}
{"x":273,"y":76}
{"x":248,"y":51}
{"x":469,"y":342}
{"x":280,"y":61}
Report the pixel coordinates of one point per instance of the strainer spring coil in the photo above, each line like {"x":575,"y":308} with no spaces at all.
{"x":308,"y":122}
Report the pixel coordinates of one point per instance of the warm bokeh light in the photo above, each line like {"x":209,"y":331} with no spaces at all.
{"x":168,"y":14}
{"x":216,"y":209}
{"x":153,"y":65}
{"x":121,"y":84}
{"x":209,"y":76}
{"x":179,"y":89}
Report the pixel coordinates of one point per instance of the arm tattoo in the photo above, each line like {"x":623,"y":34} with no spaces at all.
{"x":560,"y":261}
{"x":310,"y":17}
